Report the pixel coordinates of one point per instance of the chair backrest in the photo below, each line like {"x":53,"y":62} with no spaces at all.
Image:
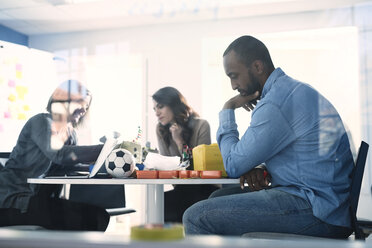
{"x":4,"y":156}
{"x":105,"y":196}
{"x":356,"y":183}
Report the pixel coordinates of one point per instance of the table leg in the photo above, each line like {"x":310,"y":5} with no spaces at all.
{"x":154,"y":204}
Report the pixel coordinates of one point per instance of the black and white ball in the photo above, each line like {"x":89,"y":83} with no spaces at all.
{"x":120,"y":163}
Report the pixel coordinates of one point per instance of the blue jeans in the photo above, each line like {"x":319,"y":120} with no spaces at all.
{"x":232,"y":211}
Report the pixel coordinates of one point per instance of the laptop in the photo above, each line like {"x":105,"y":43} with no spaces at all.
{"x":106,"y":150}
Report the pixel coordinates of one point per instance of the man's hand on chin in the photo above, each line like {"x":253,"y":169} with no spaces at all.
{"x":238,"y":101}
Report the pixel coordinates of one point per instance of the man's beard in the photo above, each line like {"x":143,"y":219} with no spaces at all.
{"x":253,"y":87}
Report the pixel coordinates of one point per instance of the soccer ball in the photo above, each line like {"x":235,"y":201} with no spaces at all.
{"x":120,"y":163}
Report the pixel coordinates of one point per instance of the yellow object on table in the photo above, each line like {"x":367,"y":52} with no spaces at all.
{"x":157,"y":232}
{"x":208,"y":157}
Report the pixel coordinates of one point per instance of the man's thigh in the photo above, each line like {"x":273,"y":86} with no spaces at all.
{"x":260,"y":211}
{"x":229,"y":191}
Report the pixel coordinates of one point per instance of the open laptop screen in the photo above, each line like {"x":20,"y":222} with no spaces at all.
{"x":106,"y":150}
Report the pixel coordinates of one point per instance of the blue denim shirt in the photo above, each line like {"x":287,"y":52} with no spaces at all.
{"x":300,"y":137}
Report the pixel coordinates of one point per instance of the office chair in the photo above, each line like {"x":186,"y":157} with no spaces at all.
{"x":4,"y":156}
{"x":110,"y":197}
{"x":361,"y":228}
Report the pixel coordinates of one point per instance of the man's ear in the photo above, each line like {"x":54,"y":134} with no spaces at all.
{"x":258,"y":67}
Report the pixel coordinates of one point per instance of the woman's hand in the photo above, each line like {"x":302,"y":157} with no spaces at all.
{"x":60,"y":133}
{"x":176,"y":132}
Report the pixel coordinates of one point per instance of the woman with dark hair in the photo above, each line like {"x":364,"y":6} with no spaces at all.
{"x":179,"y":130}
{"x":46,"y":145}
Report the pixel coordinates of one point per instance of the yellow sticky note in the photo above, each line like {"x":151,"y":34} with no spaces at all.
{"x":12,"y":98}
{"x":26,"y":108}
{"x":21,"y":90}
{"x":18,"y":74}
{"x":21,"y":116}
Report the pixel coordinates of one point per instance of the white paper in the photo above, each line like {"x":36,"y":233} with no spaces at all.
{"x":159,"y":162}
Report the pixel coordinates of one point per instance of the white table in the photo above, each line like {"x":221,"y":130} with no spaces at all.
{"x":154,"y":189}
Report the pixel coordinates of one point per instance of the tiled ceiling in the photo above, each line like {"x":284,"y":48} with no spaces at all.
{"x":33,"y":17}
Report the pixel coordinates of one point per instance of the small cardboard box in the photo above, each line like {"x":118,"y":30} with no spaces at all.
{"x":149,"y":174}
{"x":210,"y":174}
{"x":208,"y":157}
{"x":168,"y":174}
{"x":194,"y":174}
{"x":184,"y":174}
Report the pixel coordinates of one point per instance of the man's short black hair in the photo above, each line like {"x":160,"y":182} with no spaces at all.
{"x":250,"y":49}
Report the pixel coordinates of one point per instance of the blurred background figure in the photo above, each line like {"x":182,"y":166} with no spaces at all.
{"x":47,"y":145}
{"x":179,"y":130}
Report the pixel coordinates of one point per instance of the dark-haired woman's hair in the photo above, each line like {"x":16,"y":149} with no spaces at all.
{"x":183,"y":113}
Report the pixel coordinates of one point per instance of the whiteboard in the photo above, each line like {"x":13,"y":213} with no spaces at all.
{"x":27,"y":79}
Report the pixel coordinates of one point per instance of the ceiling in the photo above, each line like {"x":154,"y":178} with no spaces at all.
{"x":35,"y":17}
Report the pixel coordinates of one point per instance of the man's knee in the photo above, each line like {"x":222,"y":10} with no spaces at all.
{"x":187,"y":215}
{"x":190,"y":220}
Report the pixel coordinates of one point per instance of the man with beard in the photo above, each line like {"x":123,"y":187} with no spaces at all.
{"x":294,"y":156}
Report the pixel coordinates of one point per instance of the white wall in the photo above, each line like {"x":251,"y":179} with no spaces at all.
{"x":174,"y":51}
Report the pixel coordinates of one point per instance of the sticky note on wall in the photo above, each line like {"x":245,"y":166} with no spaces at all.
{"x":21,"y":91}
{"x":11,"y":98}
{"x":19,"y":74}
{"x":11,"y":83}
{"x":21,"y":116}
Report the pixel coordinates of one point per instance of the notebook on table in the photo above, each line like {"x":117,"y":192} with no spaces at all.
{"x":106,"y":150}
